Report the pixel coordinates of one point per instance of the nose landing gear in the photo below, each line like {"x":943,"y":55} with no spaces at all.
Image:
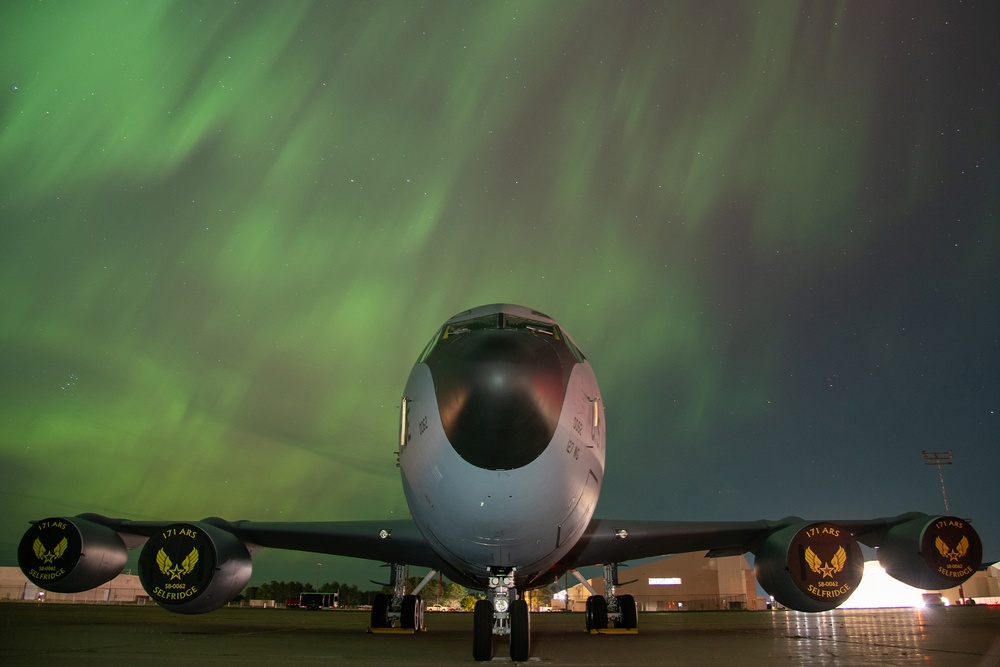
{"x":504,"y":612}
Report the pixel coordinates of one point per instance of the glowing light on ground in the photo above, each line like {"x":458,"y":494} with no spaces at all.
{"x":879,"y":590}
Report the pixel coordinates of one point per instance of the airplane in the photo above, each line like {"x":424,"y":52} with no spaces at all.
{"x":501,"y":450}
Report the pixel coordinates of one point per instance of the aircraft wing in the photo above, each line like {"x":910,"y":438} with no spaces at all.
{"x":620,"y":540}
{"x":805,"y":565}
{"x":193,"y":567}
{"x":395,"y":541}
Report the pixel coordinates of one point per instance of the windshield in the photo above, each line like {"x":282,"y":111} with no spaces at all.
{"x":499,"y":321}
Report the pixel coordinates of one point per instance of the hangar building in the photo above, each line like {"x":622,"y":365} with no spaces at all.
{"x":685,"y":582}
{"x":123,"y":589}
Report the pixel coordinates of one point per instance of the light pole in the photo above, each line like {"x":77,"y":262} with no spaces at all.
{"x":939,"y":459}
{"x":943,"y":459}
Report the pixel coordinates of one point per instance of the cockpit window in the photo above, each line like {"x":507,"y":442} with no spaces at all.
{"x":430,"y":347}
{"x":574,"y":349}
{"x":534,"y":326}
{"x":475,"y":324}
{"x":499,"y":321}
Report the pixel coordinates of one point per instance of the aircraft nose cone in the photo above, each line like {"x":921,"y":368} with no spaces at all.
{"x":499,"y":395}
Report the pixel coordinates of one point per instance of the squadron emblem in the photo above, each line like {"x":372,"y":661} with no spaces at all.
{"x":170,"y":581}
{"x":168,"y":568}
{"x":953,"y":556}
{"x":45,"y":565}
{"x":835,"y":565}
{"x":948,"y":563}
{"x":826,"y":564}
{"x":49,"y":556}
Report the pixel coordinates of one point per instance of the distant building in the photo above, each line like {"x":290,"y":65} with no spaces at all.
{"x":984,"y":587}
{"x":689,"y":582}
{"x":685,"y":582}
{"x":123,"y":589}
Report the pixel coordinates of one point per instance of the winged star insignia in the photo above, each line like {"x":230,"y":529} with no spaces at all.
{"x":953,"y":556}
{"x":168,"y":568}
{"x":48,"y":556}
{"x":835,"y":565}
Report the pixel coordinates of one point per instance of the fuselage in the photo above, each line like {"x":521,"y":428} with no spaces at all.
{"x":502,"y":443}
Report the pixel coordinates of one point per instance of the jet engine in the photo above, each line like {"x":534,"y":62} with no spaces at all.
{"x":69,"y":555}
{"x":931,"y":552}
{"x":192,"y":568}
{"x":809,"y":566}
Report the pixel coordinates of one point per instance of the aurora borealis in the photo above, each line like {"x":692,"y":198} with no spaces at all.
{"x":228,"y":229}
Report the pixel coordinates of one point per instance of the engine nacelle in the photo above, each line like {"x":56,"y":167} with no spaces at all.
{"x":69,"y":555}
{"x":810,"y":566}
{"x":192,"y":568}
{"x":931,"y":552}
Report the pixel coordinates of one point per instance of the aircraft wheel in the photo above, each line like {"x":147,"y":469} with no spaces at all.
{"x":520,"y":631}
{"x":630,"y":617}
{"x":380,"y":611}
{"x":597,"y":613}
{"x":412,"y":613}
{"x":482,"y":631}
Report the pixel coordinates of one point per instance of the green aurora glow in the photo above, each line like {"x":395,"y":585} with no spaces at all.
{"x":228,"y":229}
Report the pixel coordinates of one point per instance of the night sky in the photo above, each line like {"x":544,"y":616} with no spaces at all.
{"x":227,"y":229}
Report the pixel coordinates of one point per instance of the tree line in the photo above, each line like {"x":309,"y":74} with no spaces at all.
{"x":349,"y":595}
{"x":437,"y":592}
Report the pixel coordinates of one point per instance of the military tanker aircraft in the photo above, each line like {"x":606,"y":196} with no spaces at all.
{"x":501,"y":449}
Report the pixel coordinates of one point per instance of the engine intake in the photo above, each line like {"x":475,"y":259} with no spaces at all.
{"x":810,"y":566}
{"x":69,"y":555}
{"x":192,"y":568}
{"x":931,"y":552}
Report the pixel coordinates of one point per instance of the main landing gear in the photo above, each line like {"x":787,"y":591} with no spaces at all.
{"x":504,"y":612}
{"x":618,"y":611}
{"x":405,"y":612}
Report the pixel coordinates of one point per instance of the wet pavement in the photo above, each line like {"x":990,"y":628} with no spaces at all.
{"x":101,"y":634}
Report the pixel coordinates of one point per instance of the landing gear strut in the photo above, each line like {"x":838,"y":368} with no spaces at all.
{"x":504,"y":612}
{"x":399,"y":610}
{"x":609,"y":608}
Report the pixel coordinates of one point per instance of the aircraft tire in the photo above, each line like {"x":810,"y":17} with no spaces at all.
{"x":380,"y":610}
{"x":482,"y":631}
{"x":412,"y":613}
{"x":597,"y":613}
{"x":630,"y":617}
{"x":520,"y":631}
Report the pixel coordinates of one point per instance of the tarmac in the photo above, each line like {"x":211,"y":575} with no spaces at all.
{"x":48,"y":633}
